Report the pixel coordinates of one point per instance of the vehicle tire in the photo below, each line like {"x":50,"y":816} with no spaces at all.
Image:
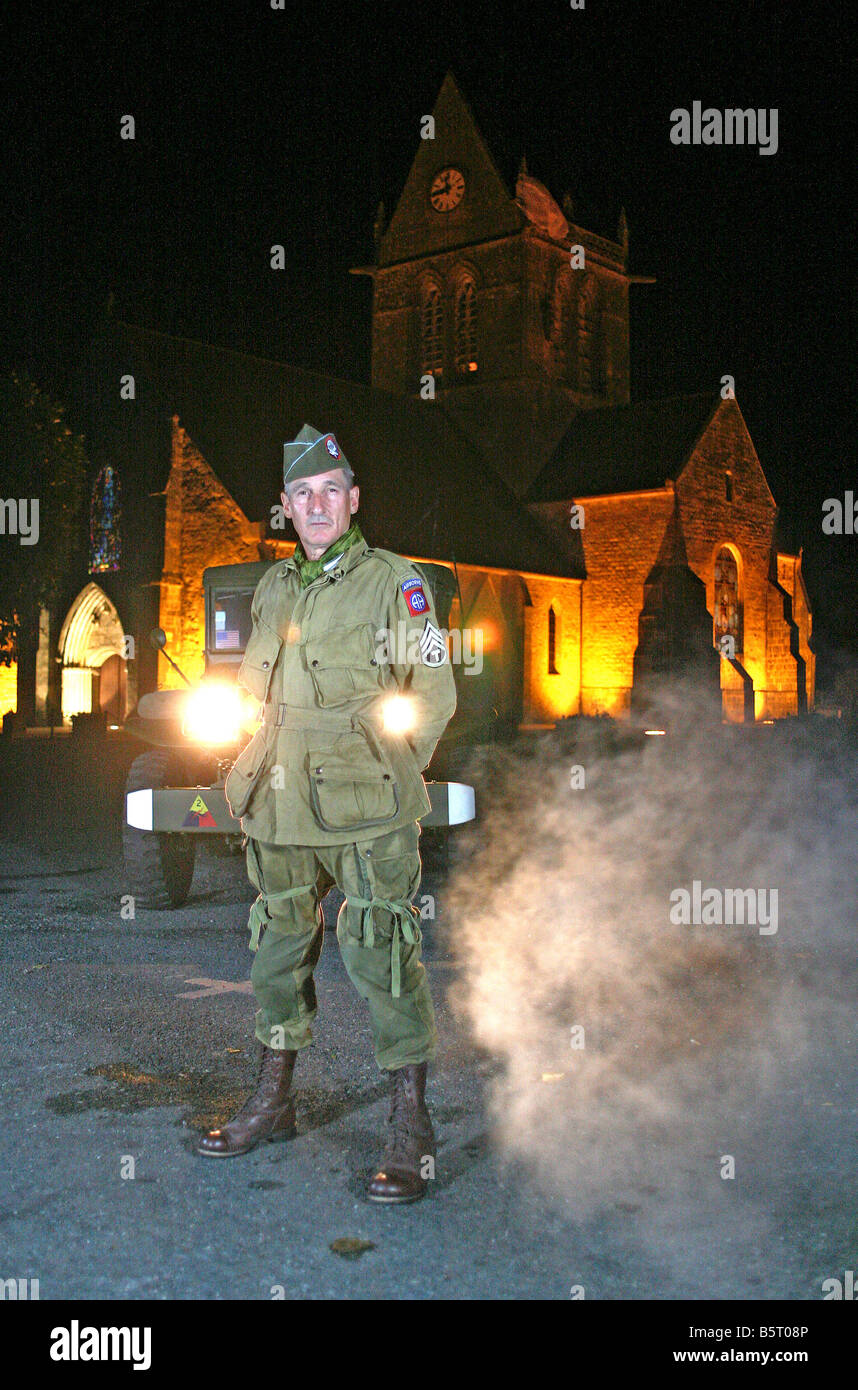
{"x":159,"y":867}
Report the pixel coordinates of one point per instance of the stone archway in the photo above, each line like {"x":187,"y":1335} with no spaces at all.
{"x":93,"y":657}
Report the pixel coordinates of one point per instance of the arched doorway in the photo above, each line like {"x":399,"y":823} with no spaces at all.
{"x":93,"y":657}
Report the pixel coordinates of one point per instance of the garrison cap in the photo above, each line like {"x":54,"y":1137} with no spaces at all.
{"x":311,"y":452}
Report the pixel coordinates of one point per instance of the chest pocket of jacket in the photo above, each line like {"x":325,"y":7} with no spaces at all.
{"x":351,"y":787}
{"x":259,"y":661}
{"x":342,"y":664}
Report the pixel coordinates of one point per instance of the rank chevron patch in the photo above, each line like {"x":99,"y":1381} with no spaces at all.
{"x":433,"y":648}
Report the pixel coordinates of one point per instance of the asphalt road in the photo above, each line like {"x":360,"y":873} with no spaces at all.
{"x":121,"y":1039}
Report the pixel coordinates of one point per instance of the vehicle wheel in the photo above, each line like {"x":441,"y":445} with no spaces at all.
{"x":159,"y":867}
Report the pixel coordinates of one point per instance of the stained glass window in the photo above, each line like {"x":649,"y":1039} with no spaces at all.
{"x":727,"y":608}
{"x":104,"y":543}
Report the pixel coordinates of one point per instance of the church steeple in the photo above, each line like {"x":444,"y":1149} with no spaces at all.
{"x":454,"y":192}
{"x":518,"y":316}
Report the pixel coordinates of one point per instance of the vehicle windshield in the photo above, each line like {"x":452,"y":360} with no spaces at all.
{"x":231,"y":620}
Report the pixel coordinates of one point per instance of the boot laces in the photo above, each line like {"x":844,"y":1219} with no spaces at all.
{"x":401,"y":1122}
{"x":267,"y":1061}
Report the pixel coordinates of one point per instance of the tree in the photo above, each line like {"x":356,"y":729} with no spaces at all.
{"x":43,"y":480}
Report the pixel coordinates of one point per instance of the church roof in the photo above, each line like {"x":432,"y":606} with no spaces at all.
{"x":425,"y":488}
{"x":623,"y":448}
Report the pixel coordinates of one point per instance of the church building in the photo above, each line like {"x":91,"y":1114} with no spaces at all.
{"x":599,"y":546}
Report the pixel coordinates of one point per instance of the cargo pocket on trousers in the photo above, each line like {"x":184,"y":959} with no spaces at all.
{"x":260,"y":913}
{"x":379,"y":892}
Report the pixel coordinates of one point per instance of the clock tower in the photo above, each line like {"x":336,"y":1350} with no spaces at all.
{"x":491,"y":303}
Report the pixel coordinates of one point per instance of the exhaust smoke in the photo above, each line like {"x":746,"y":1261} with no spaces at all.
{"x":639,"y":1055}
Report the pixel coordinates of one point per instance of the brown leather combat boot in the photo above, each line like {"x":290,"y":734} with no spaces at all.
{"x":404,"y":1170}
{"x":268,"y":1114}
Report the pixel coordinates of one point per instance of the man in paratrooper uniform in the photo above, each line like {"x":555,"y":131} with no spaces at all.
{"x":329,"y":791}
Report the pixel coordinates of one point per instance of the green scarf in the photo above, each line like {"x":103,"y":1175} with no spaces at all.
{"x":311,"y":569}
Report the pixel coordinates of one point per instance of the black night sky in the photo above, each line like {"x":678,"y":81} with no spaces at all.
{"x":257,"y":126}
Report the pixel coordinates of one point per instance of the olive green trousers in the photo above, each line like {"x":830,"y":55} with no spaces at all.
{"x":378,"y":933}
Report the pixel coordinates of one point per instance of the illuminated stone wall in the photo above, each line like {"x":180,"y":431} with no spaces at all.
{"x":551,"y":695}
{"x":710,"y":520}
{"x":789,"y":630}
{"x":203,"y":526}
{"x":745,"y":522}
{"x":721,"y":498}
{"x":622,"y":539}
{"x":8,"y":688}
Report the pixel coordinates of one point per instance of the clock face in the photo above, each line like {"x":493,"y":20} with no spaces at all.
{"x":447,"y":190}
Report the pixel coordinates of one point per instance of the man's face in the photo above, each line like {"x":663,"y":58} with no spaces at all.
{"x":320,"y":509}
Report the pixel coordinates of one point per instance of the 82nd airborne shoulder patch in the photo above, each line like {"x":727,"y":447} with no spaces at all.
{"x":414,"y":596}
{"x":433,"y":648}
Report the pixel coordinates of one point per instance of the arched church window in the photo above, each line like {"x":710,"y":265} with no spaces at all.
{"x":591,"y":375}
{"x":552,"y":642}
{"x":728,"y":614}
{"x":432,"y":331}
{"x":465,"y":319}
{"x":104,"y":516}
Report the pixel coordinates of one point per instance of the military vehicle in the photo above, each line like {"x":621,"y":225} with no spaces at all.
{"x":175,"y":790}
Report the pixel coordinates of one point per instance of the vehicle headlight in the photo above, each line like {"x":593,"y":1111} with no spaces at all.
{"x":399,"y":714}
{"x":215,"y":714}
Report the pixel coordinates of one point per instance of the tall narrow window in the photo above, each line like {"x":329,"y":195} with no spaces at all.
{"x":728,"y":483}
{"x":466,"y":326}
{"x":432,"y":331}
{"x":728,"y":614}
{"x":552,"y":642}
{"x":104,"y":513}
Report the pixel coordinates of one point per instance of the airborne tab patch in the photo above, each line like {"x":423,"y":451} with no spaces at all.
{"x":414,"y":595}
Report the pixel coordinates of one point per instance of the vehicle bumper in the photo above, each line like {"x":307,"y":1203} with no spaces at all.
{"x":205,"y":811}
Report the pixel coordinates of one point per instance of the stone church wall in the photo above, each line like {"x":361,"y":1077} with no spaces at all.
{"x":203,"y":526}
{"x":746,"y":524}
{"x":8,"y":688}
{"x":552,"y":694}
{"x":622,"y":538}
